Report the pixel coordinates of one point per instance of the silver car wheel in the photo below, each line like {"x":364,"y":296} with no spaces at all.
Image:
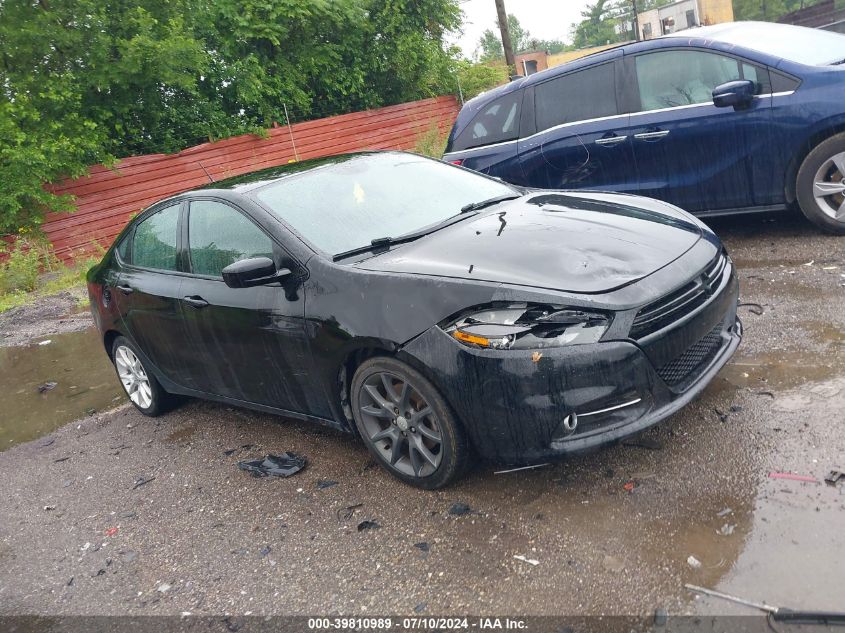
{"x":133,"y":377}
{"x":829,"y":187}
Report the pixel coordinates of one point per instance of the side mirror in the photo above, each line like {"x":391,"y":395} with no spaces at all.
{"x":255,"y":271}
{"x":736,"y":94}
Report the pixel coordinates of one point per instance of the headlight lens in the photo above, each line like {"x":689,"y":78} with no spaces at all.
{"x":527,"y":326}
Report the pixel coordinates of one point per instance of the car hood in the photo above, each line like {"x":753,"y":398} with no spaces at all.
{"x":572,"y":242}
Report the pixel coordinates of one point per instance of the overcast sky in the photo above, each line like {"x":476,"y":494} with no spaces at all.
{"x":544,"y":19}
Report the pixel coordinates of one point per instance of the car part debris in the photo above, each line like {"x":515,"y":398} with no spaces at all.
{"x":368,"y":525}
{"x":322,"y":484}
{"x":47,"y":386}
{"x":753,"y":308}
{"x":423,"y":547}
{"x":693,"y":562}
{"x":781,"y":614}
{"x":141,"y":480}
{"x":283,"y":465}
{"x":46,"y":342}
{"x":524,"y":559}
{"x":629,"y":486}
{"x":514,"y":470}
{"x":458,"y":509}
{"x":833,"y":477}
{"x":793,"y":477}
{"x":344,"y":514}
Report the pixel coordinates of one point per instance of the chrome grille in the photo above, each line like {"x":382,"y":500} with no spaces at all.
{"x":669,"y":308}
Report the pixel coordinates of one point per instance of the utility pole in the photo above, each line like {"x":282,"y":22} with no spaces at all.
{"x":506,"y":36}
{"x":636,"y":21}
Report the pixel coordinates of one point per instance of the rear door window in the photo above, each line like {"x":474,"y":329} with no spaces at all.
{"x":584,"y":94}
{"x":498,"y":121}
{"x":155,"y":240}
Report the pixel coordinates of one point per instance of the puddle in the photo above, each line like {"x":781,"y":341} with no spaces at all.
{"x":84,"y":380}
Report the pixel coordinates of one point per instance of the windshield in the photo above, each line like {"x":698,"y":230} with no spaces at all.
{"x":813,"y":47}
{"x":348,"y":204}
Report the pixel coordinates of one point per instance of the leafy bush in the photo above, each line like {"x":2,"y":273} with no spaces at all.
{"x":20,"y":270}
{"x":432,"y":142}
{"x":477,"y":78}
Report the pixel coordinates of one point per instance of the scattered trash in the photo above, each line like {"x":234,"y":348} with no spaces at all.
{"x":229,"y":452}
{"x":629,"y":486}
{"x":69,"y":582}
{"x":513,"y":470}
{"x":458,"y":509}
{"x":142,"y":480}
{"x":644,"y":442}
{"x":322,"y":484}
{"x":423,"y":547}
{"x":693,"y":562}
{"x":530,"y":561}
{"x":48,"y":508}
{"x":46,"y":342}
{"x":780,"y":614}
{"x":765,"y":393}
{"x":344,"y":514}
{"x":726,"y":530}
{"x":723,"y":513}
{"x":829,"y":267}
{"x":163,"y":587}
{"x":420,"y":607}
{"x":735,"y":408}
{"x":368,"y":525}
{"x":61,"y":459}
{"x":793,"y":477}
{"x":265,"y":551}
{"x":753,"y":308}
{"x":283,"y":465}
{"x":536,"y":356}
{"x":112,"y":531}
{"x":723,"y":417}
{"x":47,"y":441}
{"x":660,"y":617}
{"x":810,"y":263}
{"x":833,"y":477}
{"x":47,"y":386}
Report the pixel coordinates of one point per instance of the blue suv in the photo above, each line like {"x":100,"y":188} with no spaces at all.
{"x":731,"y":118}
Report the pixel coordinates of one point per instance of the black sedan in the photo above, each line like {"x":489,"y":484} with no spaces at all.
{"x":434,"y":311}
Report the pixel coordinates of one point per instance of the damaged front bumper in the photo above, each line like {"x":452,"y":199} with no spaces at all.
{"x":523,"y":407}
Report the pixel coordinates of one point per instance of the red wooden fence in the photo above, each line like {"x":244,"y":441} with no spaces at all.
{"x":107,"y":198}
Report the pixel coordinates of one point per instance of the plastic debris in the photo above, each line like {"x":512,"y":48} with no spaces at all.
{"x":629,"y":486}
{"x":112,"y":531}
{"x":344,"y":514}
{"x":458,"y":509}
{"x":536,"y":356}
{"x":265,"y":551}
{"x":753,"y":308}
{"x":693,"y":562}
{"x":726,"y":530}
{"x":423,"y":547}
{"x":283,"y":465}
{"x":322,"y":484}
{"x":163,"y":587}
{"x":833,"y":477}
{"x":368,"y":525}
{"x":793,"y":477}
{"x":514,"y":470}
{"x":47,"y":342}
{"x":723,"y":513}
{"x":47,"y":386}
{"x":141,"y":480}
{"x":530,"y":561}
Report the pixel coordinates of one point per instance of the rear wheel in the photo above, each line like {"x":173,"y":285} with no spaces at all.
{"x":140,"y":385}
{"x":821,"y":185}
{"x":407,"y":425}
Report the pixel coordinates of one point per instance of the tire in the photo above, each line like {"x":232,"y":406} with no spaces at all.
{"x":140,"y":385}
{"x":825,"y":165}
{"x":406,"y":444}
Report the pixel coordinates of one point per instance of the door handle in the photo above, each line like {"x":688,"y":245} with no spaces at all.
{"x":651,"y":136}
{"x":610,"y":141}
{"x":127,"y":290}
{"x":195,"y":301}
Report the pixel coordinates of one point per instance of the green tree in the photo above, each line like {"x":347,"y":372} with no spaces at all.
{"x":596,"y":28}
{"x":766,"y":10}
{"x":490,"y":43}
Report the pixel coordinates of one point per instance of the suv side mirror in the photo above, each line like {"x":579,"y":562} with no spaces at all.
{"x":738,"y":94}
{"x":255,"y":271}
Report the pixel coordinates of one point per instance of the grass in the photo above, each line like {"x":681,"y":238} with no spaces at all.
{"x":431,"y":143}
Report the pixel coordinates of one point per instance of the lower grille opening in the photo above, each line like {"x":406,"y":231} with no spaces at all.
{"x":681,"y":370}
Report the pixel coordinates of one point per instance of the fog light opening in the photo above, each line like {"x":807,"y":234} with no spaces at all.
{"x":570,"y":422}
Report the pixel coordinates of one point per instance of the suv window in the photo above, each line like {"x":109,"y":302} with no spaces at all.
{"x":668,"y":79}
{"x":584,"y":94}
{"x":219,"y":235}
{"x":155,"y":238}
{"x":498,"y":121}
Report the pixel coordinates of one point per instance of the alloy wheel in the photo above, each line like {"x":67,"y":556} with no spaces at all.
{"x":133,"y":377}
{"x":401,"y":424}
{"x":829,"y":187}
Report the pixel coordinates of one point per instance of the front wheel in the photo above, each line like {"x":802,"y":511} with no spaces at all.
{"x":140,"y":385}
{"x":407,"y":425}
{"x":821,"y":185}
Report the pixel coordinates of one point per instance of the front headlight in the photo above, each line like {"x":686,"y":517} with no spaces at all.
{"x":527,"y":326}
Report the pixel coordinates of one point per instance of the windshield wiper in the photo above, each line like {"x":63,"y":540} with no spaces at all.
{"x":378,"y":244}
{"x":475,"y":206}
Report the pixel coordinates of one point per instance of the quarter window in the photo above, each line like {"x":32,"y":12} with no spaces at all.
{"x":498,"y":121}
{"x":219,"y":235}
{"x":670,"y":79}
{"x":585,"y":94}
{"x":155,"y":238}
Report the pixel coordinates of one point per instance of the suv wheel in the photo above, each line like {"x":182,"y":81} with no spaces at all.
{"x":407,"y":425}
{"x":821,"y":185}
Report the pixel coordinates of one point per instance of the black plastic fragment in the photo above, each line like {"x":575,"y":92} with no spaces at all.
{"x":423,"y":546}
{"x":833,"y":477}
{"x":322,"y":484}
{"x":47,"y":386}
{"x":283,"y":465}
{"x":458,"y":509}
{"x":368,"y":525}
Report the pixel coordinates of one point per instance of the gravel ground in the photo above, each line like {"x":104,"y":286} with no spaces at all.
{"x":53,"y":314}
{"x":78,"y":535}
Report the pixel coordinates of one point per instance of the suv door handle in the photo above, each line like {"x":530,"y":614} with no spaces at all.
{"x":651,"y":136}
{"x":610,"y":141}
{"x":195,"y":301}
{"x":127,"y":290}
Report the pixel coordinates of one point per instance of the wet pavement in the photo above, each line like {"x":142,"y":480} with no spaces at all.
{"x":615,"y":532}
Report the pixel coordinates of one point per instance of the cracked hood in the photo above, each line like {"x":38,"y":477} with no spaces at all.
{"x":573,"y":242}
